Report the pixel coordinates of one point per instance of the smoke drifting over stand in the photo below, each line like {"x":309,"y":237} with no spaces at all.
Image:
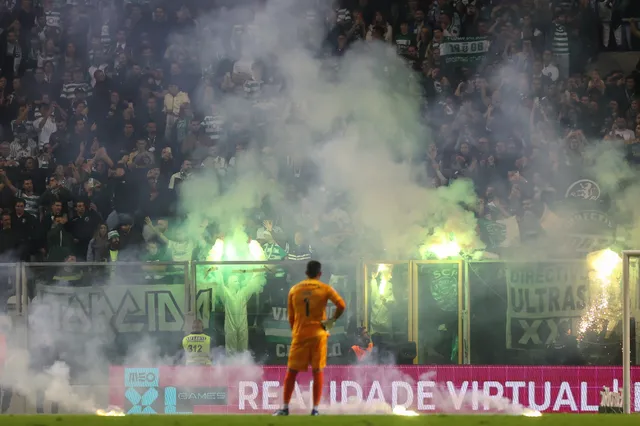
{"x":355,"y":134}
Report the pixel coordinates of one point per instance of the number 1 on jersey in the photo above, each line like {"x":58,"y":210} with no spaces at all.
{"x":306,"y":305}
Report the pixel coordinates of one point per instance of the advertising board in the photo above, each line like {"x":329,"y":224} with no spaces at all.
{"x":427,"y":389}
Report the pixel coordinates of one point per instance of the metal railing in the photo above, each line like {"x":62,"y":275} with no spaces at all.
{"x":10,"y":289}
{"x":443,"y":306}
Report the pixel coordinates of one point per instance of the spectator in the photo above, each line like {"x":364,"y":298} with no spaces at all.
{"x":56,"y":191}
{"x":98,"y":248}
{"x":27,"y":194}
{"x":82,"y":227}
{"x":22,"y":146}
{"x":299,"y":249}
{"x":59,"y":241}
{"x":129,"y":238}
{"x":13,"y":60}
{"x":177,"y":179}
{"x":173,"y":102}
{"x":181,"y":248}
{"x":151,"y":113}
{"x":9,"y":238}
{"x":25,"y":226}
{"x":114,"y":246}
{"x":45,"y":125}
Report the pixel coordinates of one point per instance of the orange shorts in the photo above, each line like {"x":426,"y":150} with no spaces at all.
{"x":311,"y":351}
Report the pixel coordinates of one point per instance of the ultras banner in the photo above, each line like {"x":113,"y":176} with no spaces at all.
{"x":462,"y":389}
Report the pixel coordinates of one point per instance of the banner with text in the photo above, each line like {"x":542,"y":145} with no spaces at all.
{"x":113,"y":316}
{"x":443,"y":389}
{"x":464,"y":51}
{"x":541,"y":299}
{"x":114,"y":308}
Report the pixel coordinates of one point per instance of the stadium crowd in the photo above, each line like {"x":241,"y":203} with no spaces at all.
{"x":107,"y":110}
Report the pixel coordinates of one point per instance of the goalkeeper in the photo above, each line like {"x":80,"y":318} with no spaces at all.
{"x":307,"y":307}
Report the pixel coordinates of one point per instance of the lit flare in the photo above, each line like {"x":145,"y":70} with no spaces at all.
{"x":442,"y":245}
{"x":399,"y":410}
{"x":445,"y":249}
{"x":605,"y":264}
{"x":110,"y":412}
{"x":528,"y":412}
{"x":216,"y":252}
{"x":383,"y":271}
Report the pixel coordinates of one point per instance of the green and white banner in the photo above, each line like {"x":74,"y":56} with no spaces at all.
{"x":543,"y":298}
{"x":114,"y":308}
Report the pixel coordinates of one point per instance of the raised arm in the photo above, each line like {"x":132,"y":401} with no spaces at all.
{"x":4,"y":179}
{"x":157,"y":233}
{"x":255,"y":284}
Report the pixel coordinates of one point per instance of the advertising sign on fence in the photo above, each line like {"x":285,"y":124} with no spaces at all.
{"x":451,"y":389}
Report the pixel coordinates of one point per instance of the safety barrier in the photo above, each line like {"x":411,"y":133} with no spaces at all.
{"x":486,"y":312}
{"x":10,"y":288}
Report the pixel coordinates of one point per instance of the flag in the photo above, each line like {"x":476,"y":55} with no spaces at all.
{"x":463,"y":51}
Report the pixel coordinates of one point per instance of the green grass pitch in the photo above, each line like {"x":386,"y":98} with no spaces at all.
{"x":249,"y":420}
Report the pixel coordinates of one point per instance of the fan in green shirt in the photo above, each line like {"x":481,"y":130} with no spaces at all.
{"x":155,"y":253}
{"x":272,"y":250}
{"x":404,"y":39}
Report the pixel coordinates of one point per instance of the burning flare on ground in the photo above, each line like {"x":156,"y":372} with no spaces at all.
{"x":528,"y":412}
{"x":604,"y":273}
{"x":399,"y":410}
{"x":110,"y":412}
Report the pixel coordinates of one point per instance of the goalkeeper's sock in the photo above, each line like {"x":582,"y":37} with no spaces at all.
{"x":289,"y":386}
{"x":318,"y":379}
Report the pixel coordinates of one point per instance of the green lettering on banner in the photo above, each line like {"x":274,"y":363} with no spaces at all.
{"x":118,"y":308}
{"x":204,"y":305}
{"x":542,"y":296}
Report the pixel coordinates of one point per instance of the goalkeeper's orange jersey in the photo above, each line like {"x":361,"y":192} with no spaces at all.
{"x":307,"y":308}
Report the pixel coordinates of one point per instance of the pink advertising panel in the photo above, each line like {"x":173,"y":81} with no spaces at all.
{"x":427,"y":389}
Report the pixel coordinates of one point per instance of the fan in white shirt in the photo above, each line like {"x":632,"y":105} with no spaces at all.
{"x":620,"y":129}
{"x":45,"y":125}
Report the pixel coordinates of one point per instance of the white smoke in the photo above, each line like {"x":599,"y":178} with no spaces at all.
{"x":358,"y":136}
